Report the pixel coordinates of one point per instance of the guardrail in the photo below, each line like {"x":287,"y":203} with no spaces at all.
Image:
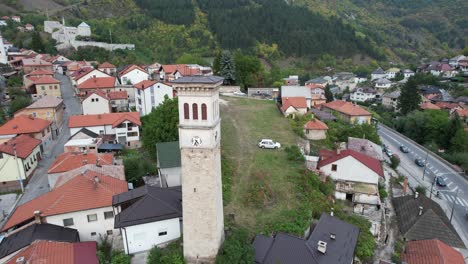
{"x":452,"y":166}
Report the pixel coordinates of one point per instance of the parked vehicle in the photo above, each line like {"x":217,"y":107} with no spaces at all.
{"x":404,"y":149}
{"x":240,"y":94}
{"x":388,"y":152}
{"x":419,"y":162}
{"x":440,"y":181}
{"x":269,"y":144}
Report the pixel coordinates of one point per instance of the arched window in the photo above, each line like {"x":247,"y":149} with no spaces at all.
{"x":195,"y":111}
{"x":203,"y":111}
{"x":186,"y":111}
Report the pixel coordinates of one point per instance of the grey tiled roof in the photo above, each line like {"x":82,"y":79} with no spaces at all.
{"x":199,"y":79}
{"x":379,"y":71}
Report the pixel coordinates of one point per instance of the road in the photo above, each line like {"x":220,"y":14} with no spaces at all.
{"x":454,"y":195}
{"x":38,"y":184}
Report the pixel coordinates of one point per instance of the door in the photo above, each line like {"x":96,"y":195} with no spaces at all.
{"x":138,"y":243}
{"x":38,"y":156}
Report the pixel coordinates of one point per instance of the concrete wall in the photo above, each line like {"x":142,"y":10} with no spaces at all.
{"x":143,"y":237}
{"x":77,"y":43}
{"x":315,"y":134}
{"x":172,"y":176}
{"x":49,"y":89}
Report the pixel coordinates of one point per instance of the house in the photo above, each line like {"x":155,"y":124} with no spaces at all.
{"x":420,"y":218}
{"x":363,"y":94}
{"x":69,"y":161}
{"x":83,"y":141}
{"x":153,"y":70}
{"x":390,"y":100}
{"x":430,"y":92}
{"x":29,"y":79}
{"x":28,"y":125}
{"x":16,"y":19}
{"x":297,"y":91}
{"x":366,"y":147}
{"x":83,"y":203}
{"x":315,"y":130}
{"x":322,"y":115}
{"x":321,"y":81}
{"x":19,"y":157}
{"x":148,"y":216}
{"x":107,"y":68}
{"x":45,"y":85}
{"x":150,"y":94}
{"x":133,"y":74}
{"x":463,"y":65}
{"x":175,"y":71}
{"x":118,"y":101}
{"x":407,"y":73}
{"x":383,"y":83}
{"x":462,"y":114}
{"x":391,"y":73}
{"x":14,"y":242}
{"x":49,"y":108}
{"x":292,"y":80}
{"x":30,"y":65}
{"x":95,"y":103}
{"x":429,"y":106}
{"x":29,"y":27}
{"x":356,"y":177}
{"x":378,"y":74}
{"x":347,"y":111}
{"x":443,"y":70}
{"x":292,"y":106}
{"x":455,"y":60}
{"x":86,"y":73}
{"x":168,"y":162}
{"x":122,"y":128}
{"x":431,"y":251}
{"x":63,"y":252}
{"x":105,"y":84}
{"x":330,"y":240}
{"x":360,"y":78}
{"x":115,"y":171}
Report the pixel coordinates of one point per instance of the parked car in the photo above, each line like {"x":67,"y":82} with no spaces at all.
{"x":388,"y":152}
{"x":404,"y":149}
{"x":268,"y":143}
{"x":440,"y":181}
{"x":419,"y":162}
{"x":239,"y":94}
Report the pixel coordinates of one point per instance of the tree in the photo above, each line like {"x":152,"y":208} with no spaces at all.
{"x":459,"y":142}
{"x":36,"y":43}
{"x":465,"y":51}
{"x":452,"y":128}
{"x":216,"y":63}
{"x":409,"y":97}
{"x":394,"y":162}
{"x":187,"y":58}
{"x":172,"y":254}
{"x":328,"y":94}
{"x":161,"y":125}
{"x":227,"y":67}
{"x":237,"y":248}
{"x":248,"y":70}
{"x":19,"y":102}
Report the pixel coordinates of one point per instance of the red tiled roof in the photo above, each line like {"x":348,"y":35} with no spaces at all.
{"x":462,"y":112}
{"x":325,"y":153}
{"x":70,"y":160}
{"x":131,"y":68}
{"x":171,"y":68}
{"x":115,"y":95}
{"x":315,"y":124}
{"x":80,"y":193}
{"x":98,"y":83}
{"x":371,"y":163}
{"x":429,"y":105}
{"x":113,"y":119}
{"x":431,"y":251}
{"x":28,"y":25}
{"x":81,"y":73}
{"x":36,"y":62}
{"x":296,"y":102}
{"x":106,"y":65}
{"x":446,"y":105}
{"x":24,"y":146}
{"x":98,"y":92}
{"x":46,"y":80}
{"x":47,"y":101}
{"x":144,"y":84}
{"x":40,"y":72}
{"x":346,"y":108}
{"x":24,"y":125}
{"x":53,"y":252}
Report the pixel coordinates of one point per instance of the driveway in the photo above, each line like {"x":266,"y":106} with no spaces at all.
{"x":38,"y":184}
{"x":453,"y":196}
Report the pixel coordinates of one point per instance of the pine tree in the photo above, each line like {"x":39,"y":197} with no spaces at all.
{"x":409,"y":97}
{"x":216,"y":63}
{"x":36,"y":43}
{"x":328,"y":94}
{"x":227,"y":67}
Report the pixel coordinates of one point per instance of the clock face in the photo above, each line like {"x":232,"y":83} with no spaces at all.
{"x":196,"y":141}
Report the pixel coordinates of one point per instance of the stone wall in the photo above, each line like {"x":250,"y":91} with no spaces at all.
{"x":77,"y":43}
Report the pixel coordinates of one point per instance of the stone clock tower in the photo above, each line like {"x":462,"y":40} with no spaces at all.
{"x":199,"y":137}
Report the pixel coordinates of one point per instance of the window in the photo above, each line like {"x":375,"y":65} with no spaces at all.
{"x":152,"y":89}
{"x":186,"y":111}
{"x":108,"y":214}
{"x":307,"y":131}
{"x":43,"y":133}
{"x":195,"y":111}
{"x":334,"y":167}
{"x":56,"y":87}
{"x":97,"y":99}
{"x":68,"y":222}
{"x":92,"y":99}
{"x":50,"y":87}
{"x":101,"y":132}
{"x":93,"y":233}
{"x":43,"y":88}
{"x":48,"y":113}
{"x":34,"y":114}
{"x":139,"y":92}
{"x":132,"y":134}
{"x":203,"y":111}
{"x":163,"y":233}
{"x":109,"y":232}
{"x":92,"y":217}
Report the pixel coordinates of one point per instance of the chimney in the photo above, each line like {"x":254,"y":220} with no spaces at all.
{"x":20,"y":260}
{"x":420,"y":210}
{"x":97,"y":163}
{"x":37,"y":217}
{"x":416,"y":195}
{"x":322,"y":246}
{"x":405,"y":185}
{"x":99,"y":116}
{"x":96,"y":179}
{"x":332,"y":236}
{"x":15,"y":126}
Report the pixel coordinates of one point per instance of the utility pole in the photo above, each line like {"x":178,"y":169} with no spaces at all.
{"x":453,"y":205}
{"x":19,"y":170}
{"x":425,"y":164}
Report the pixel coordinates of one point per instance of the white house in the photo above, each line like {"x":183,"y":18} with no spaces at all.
{"x":13,"y":169}
{"x":292,"y":106}
{"x":383,"y":83}
{"x":360,"y":78}
{"x":378,"y":74}
{"x":85,"y":205}
{"x":355,"y":174}
{"x":151,"y":216}
{"x":95,"y":103}
{"x":85,"y":74}
{"x":390,"y":100}
{"x":133,"y":74}
{"x":122,"y":127}
{"x":298,"y":91}
{"x":455,"y":60}
{"x":363,"y":94}
{"x":168,"y":162}
{"x":392,"y":72}
{"x":150,"y":94}
{"x":408,"y":73}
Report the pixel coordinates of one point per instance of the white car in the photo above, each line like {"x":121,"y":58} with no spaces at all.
{"x":239,"y":94}
{"x":269,"y":144}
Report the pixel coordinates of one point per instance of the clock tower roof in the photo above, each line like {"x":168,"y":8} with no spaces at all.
{"x":198,"y":80}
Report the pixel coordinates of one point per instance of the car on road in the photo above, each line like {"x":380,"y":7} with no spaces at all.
{"x":419,"y":162}
{"x":404,"y":149}
{"x":388,"y":152}
{"x":269,"y":144}
{"x":440,"y":181}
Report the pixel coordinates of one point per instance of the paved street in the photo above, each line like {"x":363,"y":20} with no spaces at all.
{"x":38,"y":184}
{"x":455,"y":194}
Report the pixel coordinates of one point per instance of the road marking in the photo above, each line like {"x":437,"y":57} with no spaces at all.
{"x":454,"y":189}
{"x":435,"y":171}
{"x":465,"y":203}
{"x":460,"y":201}
{"x":449,"y":198}
{"x":450,"y":183}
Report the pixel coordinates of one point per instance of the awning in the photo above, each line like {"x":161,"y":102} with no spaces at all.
{"x":108,"y":146}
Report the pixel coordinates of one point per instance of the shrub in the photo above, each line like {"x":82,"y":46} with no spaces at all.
{"x":421,"y":190}
{"x":294,"y":153}
{"x":327,"y":187}
{"x":366,"y":242}
{"x":237,"y":248}
{"x":394,"y":162}
{"x":172,"y":254}
{"x":383,"y":194}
